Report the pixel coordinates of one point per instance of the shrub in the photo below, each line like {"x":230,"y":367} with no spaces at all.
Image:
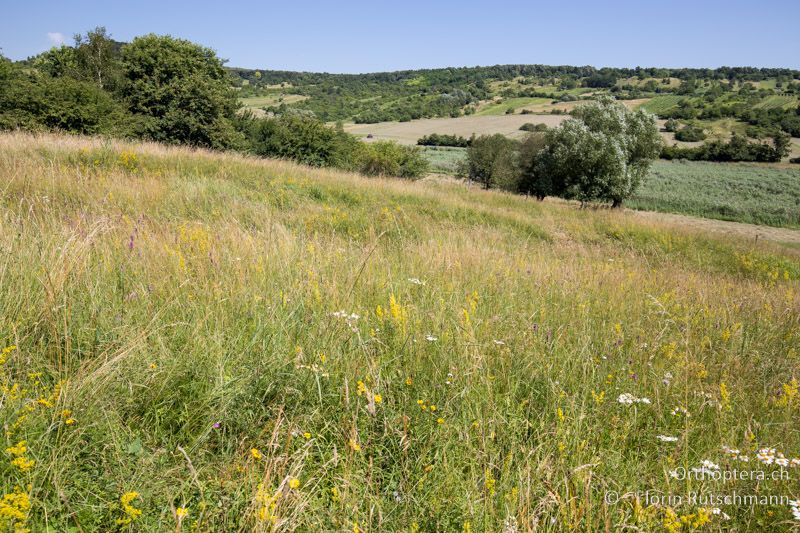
{"x":690,"y":134}
{"x":437,"y":139}
{"x":387,"y":158}
{"x":529,"y":126}
{"x":492,"y":161}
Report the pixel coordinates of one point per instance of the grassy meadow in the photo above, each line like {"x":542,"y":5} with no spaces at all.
{"x":207,"y":342}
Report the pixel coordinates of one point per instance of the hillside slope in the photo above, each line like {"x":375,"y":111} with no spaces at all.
{"x":201,"y":341}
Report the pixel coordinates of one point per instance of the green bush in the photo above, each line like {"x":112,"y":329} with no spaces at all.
{"x":690,"y":134}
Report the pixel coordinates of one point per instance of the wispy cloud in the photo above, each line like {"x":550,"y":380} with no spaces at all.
{"x":56,"y":38}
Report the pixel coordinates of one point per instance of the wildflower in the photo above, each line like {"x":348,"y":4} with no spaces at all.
{"x":795,"y":507}
{"x":678,"y":411}
{"x":378,"y":398}
{"x":256,"y":454}
{"x":153,"y":366}
{"x":354,"y":445}
{"x":665,"y":438}
{"x":70,"y":421}
{"x":667,"y":379}
{"x":498,"y":342}
{"x":766,"y":455}
{"x":627,"y":398}
{"x":440,"y":420}
{"x":490,"y":482}
{"x":14,"y":508}
{"x":409,"y":381}
{"x":433,"y":408}
{"x":23,"y":463}
{"x":306,"y":435}
{"x":416,"y":281}
{"x":131,"y":513}
{"x":181,"y":512}
{"x":361,"y":388}
{"x":599,"y":398}
{"x":430,"y":338}
{"x":216,"y":425}
{"x":294,"y":483}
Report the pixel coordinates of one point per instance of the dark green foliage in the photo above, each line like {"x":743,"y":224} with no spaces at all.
{"x":737,"y":149}
{"x":181,"y":91}
{"x":529,"y":126}
{"x":305,"y":139}
{"x":538,"y":184}
{"x":32,"y":102}
{"x":437,"y":139}
{"x":492,"y":162}
{"x":690,"y":134}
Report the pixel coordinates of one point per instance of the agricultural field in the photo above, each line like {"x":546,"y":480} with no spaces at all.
{"x":660,"y":104}
{"x":500,"y":107}
{"x":741,"y":192}
{"x":256,"y":104}
{"x":410,"y":132}
{"x":205,"y":341}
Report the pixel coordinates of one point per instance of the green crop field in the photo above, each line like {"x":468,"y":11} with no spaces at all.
{"x":513,"y":103}
{"x":196,"y":341}
{"x":777,"y":102}
{"x":740,"y":192}
{"x":660,"y":104}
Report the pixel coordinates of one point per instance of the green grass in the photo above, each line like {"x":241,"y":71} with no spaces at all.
{"x":777,"y":102}
{"x":515,"y":103}
{"x":270,"y":347}
{"x":444,"y":159}
{"x":727,"y":191}
{"x":660,"y":104}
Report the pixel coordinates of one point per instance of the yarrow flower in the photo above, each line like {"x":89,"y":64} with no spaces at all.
{"x":431,"y":338}
{"x":665,"y":438}
{"x":627,"y":398}
{"x":678,"y":411}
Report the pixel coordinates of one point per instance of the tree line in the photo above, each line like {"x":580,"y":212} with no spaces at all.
{"x":173,"y":91}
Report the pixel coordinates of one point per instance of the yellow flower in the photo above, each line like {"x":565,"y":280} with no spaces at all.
{"x":378,"y":398}
{"x":131,"y":512}
{"x":256,"y":453}
{"x":294,"y":483}
{"x":66,"y":413}
{"x":355,"y":446}
{"x":440,"y":420}
{"x":361,"y":387}
{"x":70,"y":421}
{"x":409,"y":381}
{"x":306,"y":435}
{"x":23,"y":463}
{"x":433,"y":408}
{"x":181,"y":512}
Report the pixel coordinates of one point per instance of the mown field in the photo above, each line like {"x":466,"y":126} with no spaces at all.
{"x":205,"y":342}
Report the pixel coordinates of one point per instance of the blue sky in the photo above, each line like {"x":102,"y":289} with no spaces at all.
{"x":370,"y":36}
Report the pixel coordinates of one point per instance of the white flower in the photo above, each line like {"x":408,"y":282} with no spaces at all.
{"x":674,"y":473}
{"x":416,"y":281}
{"x":708,"y":464}
{"x":782,"y":461}
{"x":667,"y":379}
{"x":627,"y":398}
{"x":499,"y":343}
{"x":431,"y":338}
{"x":680,"y":411}
{"x":665,"y":438}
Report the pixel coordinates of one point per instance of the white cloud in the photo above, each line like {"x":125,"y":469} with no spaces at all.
{"x":56,"y":38}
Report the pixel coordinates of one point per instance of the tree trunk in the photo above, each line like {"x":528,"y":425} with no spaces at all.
{"x":616,"y":203}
